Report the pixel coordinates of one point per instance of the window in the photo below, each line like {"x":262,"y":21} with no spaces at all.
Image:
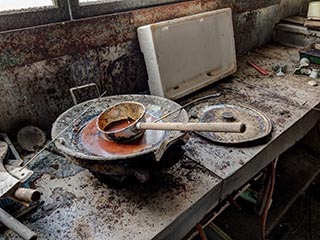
{"x":24,"y":4}
{"x":26,"y":13}
{"x":88,"y":8}
{"x":86,"y":1}
{"x":16,"y":14}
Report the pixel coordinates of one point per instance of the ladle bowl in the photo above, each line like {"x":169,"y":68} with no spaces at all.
{"x":118,"y":122}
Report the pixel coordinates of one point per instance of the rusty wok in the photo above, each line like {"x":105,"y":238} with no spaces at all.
{"x":82,"y":143}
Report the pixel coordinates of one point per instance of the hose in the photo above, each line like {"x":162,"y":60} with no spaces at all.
{"x":271,"y":183}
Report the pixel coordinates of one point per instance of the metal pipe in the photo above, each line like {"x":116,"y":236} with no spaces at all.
{"x":258,"y":68}
{"x":16,"y":226}
{"x":201,"y":232}
{"x":272,"y":170}
{"x":27,"y":194}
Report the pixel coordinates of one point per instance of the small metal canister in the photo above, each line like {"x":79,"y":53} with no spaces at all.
{"x":314,"y":74}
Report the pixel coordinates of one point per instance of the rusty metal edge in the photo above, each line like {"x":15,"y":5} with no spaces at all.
{"x":253,"y":141}
{"x":78,"y":157}
{"x":96,"y":9}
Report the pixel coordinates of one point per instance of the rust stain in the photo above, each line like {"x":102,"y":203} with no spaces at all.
{"x":118,"y":125}
{"x":73,"y":37}
{"x":39,"y":64}
{"x":245,"y":6}
{"x":96,"y":144}
{"x":166,"y":12}
{"x":209,"y":5}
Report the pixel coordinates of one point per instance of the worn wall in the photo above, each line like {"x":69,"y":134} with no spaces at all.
{"x":38,"y":65}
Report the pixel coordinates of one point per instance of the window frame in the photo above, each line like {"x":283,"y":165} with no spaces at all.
{"x":91,"y":9}
{"x":30,"y":17}
{"x":66,"y":10}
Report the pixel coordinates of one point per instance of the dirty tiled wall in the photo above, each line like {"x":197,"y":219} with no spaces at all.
{"x":38,"y":65}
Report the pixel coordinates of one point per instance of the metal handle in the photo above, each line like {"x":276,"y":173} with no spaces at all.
{"x":188,"y":104}
{"x":74,"y":98}
{"x":27,"y":195}
{"x":201,"y":127}
{"x":16,"y":226}
{"x":12,"y":149}
{"x":258,"y":68}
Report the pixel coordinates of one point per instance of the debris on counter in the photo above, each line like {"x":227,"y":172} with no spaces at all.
{"x":311,"y":52}
{"x":304,"y":62}
{"x":30,"y":138}
{"x":314,"y":74}
{"x":306,"y":71}
{"x":313,"y":83}
{"x":302,"y":71}
{"x":12,"y":190}
{"x":258,"y":68}
{"x":303,"y":68}
{"x":280,"y":70}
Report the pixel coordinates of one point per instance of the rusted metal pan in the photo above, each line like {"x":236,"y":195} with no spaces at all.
{"x":83,"y":144}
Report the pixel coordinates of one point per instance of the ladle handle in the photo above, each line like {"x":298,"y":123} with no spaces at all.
{"x":201,"y":127}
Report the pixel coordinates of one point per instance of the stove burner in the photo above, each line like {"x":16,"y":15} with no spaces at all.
{"x":93,"y":142}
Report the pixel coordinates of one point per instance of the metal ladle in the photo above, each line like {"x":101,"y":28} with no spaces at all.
{"x":113,"y":123}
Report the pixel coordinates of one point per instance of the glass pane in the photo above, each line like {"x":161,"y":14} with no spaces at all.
{"x":6,"y":5}
{"x":97,"y":1}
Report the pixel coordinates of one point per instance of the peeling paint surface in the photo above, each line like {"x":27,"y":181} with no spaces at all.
{"x":39,"y":64}
{"x":39,"y":93}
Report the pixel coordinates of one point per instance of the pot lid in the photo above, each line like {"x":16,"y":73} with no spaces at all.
{"x":258,"y":125}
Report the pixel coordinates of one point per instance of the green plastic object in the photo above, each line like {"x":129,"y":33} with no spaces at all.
{"x":312,"y":52}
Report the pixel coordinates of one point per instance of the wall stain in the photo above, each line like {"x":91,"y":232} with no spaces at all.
{"x":39,"y":64}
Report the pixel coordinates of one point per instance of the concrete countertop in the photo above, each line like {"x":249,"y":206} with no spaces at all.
{"x":288,"y":101}
{"x":76,"y":205}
